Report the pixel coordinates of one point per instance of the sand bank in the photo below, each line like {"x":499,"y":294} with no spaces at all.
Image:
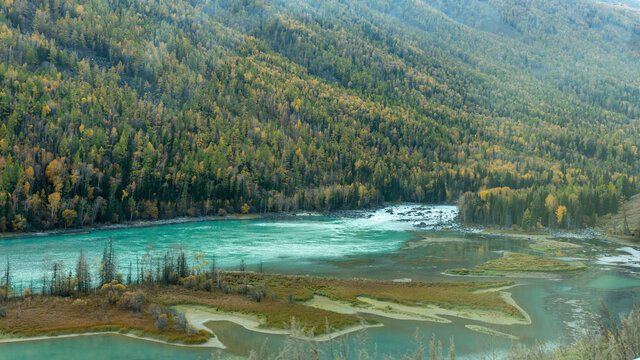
{"x":491,"y":332}
{"x":198,"y":316}
{"x":423,"y":312}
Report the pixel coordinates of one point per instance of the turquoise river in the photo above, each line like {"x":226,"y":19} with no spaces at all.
{"x":396,"y":242}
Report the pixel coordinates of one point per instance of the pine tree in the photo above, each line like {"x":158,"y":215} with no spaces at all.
{"x":108,"y":264}
{"x":83,"y":274}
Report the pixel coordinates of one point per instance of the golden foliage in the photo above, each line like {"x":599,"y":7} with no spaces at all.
{"x":561,"y":211}
{"x":494,"y":191}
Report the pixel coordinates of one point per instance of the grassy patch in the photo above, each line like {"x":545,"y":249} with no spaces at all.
{"x":47,"y":316}
{"x":273,"y":312}
{"x":282,"y":298}
{"x":302,"y":288}
{"x":553,"y":247}
{"x":519,"y":263}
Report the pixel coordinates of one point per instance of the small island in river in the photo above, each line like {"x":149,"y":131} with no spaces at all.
{"x":520,"y":263}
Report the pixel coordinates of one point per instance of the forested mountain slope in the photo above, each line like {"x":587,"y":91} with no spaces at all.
{"x":113,"y":110}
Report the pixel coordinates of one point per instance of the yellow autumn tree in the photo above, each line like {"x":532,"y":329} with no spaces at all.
{"x":245,"y":208}
{"x":54,"y":203}
{"x":551,"y":203}
{"x":55,"y":173}
{"x":561,"y":211}
{"x":19,"y":223}
{"x":69,"y":216}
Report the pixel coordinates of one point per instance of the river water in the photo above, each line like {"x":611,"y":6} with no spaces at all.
{"x":378,"y":244}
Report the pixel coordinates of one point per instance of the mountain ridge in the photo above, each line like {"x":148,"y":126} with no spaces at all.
{"x":166,"y":109}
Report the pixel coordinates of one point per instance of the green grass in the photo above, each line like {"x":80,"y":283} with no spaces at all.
{"x":519,"y":263}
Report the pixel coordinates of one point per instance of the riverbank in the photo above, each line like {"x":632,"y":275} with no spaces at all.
{"x":150,"y":223}
{"x":421,"y":210}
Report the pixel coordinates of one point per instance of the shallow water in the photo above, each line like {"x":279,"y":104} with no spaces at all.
{"x":379,"y":244}
{"x":99,"y":347}
{"x":613,"y":282}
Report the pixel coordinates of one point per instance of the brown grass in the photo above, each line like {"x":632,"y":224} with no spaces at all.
{"x":445,"y":294}
{"x":281,"y":303}
{"x":57,"y":315}
{"x":274,"y":312}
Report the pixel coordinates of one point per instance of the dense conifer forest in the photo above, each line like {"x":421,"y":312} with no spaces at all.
{"x":523,"y":112}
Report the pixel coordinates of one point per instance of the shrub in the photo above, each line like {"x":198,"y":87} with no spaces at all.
{"x":257,"y":295}
{"x":161,"y":321}
{"x":3,"y":311}
{"x":113,"y":291}
{"x":190,"y":282}
{"x":26,"y":293}
{"x":134,"y":301}
{"x":180,"y":320}
{"x":156,"y":310}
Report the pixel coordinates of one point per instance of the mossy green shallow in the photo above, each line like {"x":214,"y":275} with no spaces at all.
{"x":519,"y":263}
